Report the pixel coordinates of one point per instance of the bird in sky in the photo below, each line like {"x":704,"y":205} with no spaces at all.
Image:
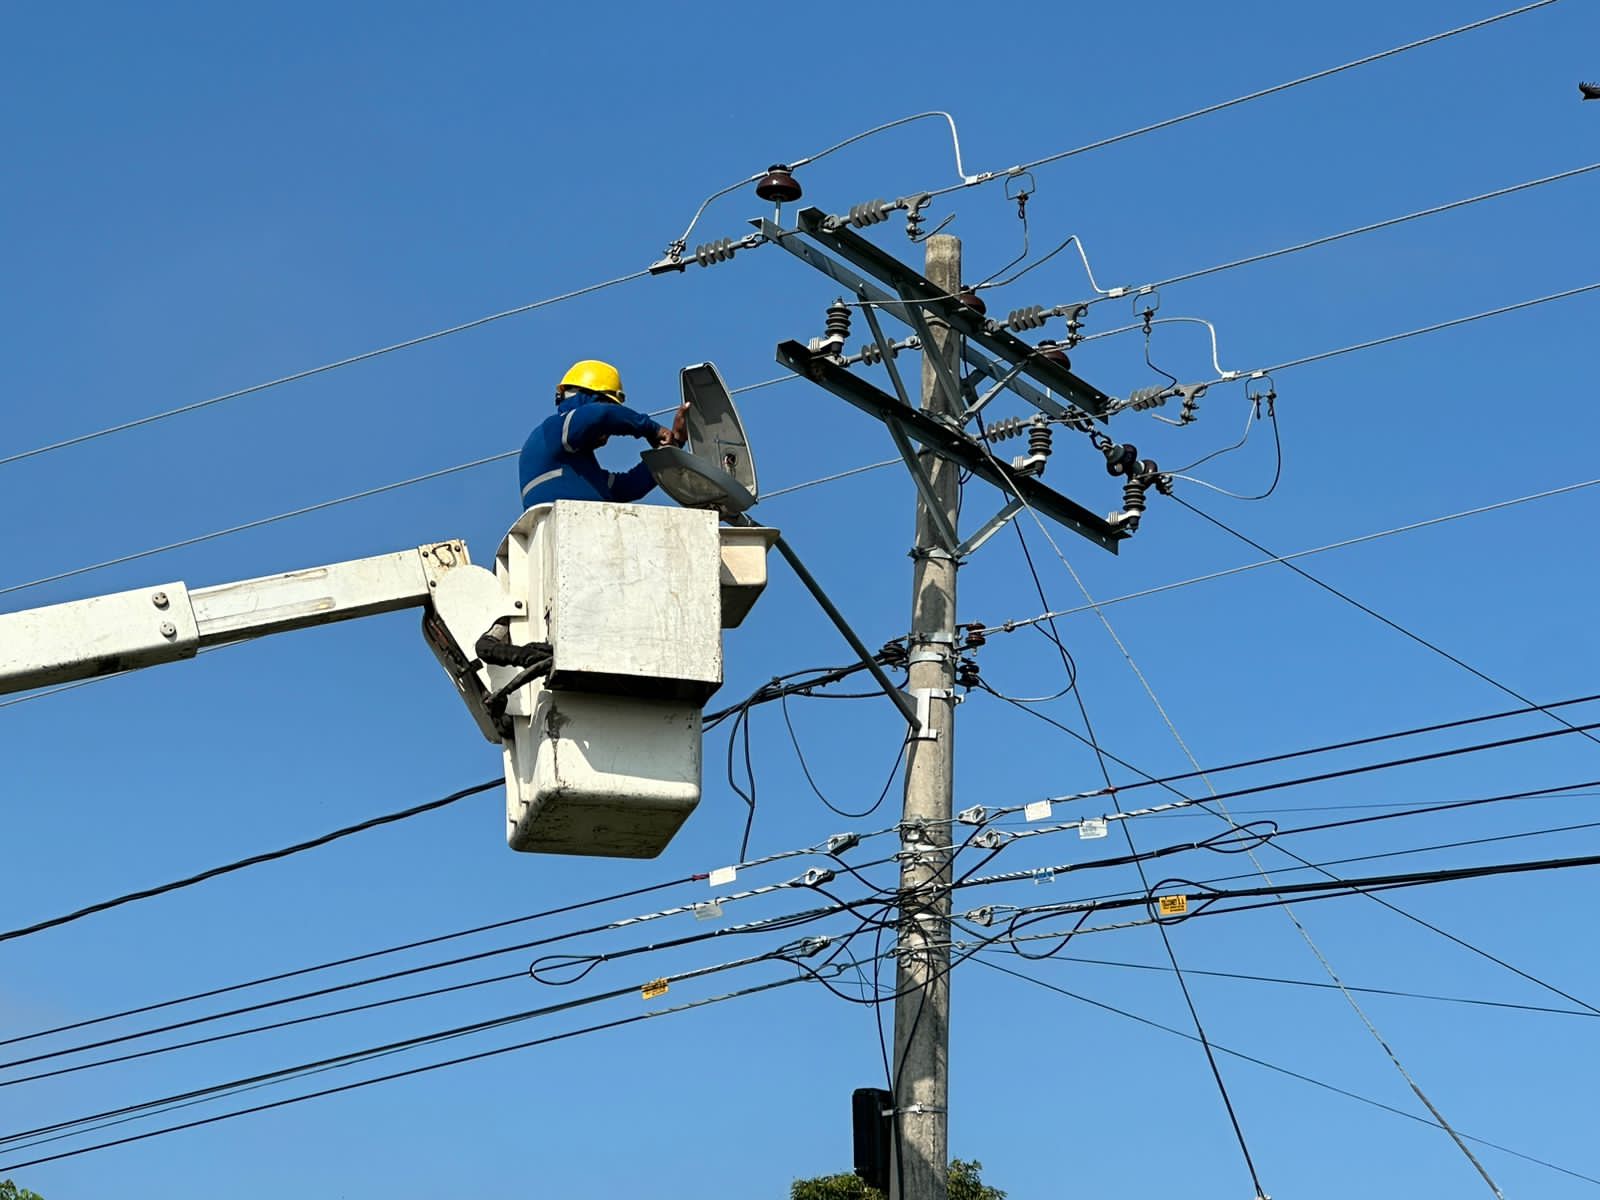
{"x":1591,"y":91}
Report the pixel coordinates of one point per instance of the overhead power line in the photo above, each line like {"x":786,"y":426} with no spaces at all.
{"x":1400,"y":993}
{"x":1261,"y":1062}
{"x":294,"y":377}
{"x":500,"y":1022}
{"x":1359,"y":230}
{"x":1259,"y":94}
{"x":364,"y":494}
{"x":431,"y":475}
{"x":253,"y":860}
{"x":1411,"y":527}
{"x":1323,"y":355}
{"x":1392,"y":624}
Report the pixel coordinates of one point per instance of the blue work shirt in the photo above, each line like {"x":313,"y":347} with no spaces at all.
{"x":558,"y":461}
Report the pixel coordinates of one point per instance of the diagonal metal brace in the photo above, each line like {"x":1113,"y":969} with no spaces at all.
{"x":932,"y":502}
{"x":949,"y":385}
{"x":990,"y":527}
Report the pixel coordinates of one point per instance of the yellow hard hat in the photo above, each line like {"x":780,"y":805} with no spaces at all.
{"x":594,"y":376}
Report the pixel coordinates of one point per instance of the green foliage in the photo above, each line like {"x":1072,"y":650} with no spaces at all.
{"x":10,"y":1191}
{"x":965,"y":1184}
{"x":830,"y":1187}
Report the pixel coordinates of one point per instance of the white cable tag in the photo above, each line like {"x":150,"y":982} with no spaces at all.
{"x":722,"y":876}
{"x":1039,"y":810}
{"x":1092,"y":827}
{"x":709,"y":911}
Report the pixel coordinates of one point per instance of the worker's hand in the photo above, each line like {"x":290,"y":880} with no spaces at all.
{"x":680,"y":425}
{"x":663,"y":436}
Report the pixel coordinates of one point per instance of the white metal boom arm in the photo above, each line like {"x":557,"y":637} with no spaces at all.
{"x":127,"y":630}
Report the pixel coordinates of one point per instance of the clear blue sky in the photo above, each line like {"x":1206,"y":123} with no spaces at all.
{"x":201,"y":198}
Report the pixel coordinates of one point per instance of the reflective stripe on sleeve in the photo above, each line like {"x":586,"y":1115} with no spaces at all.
{"x":536,"y":481}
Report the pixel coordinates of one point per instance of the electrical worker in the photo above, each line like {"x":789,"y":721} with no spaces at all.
{"x":558,"y":461}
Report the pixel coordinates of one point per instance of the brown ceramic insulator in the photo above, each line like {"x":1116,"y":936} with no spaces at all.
{"x":778,"y":185}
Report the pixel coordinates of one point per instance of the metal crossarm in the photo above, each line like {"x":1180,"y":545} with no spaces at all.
{"x":948,"y":442}
{"x":912,"y":286}
{"x":869,"y":293}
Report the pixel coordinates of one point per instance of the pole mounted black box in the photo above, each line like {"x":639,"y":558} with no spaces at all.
{"x":871,"y":1115}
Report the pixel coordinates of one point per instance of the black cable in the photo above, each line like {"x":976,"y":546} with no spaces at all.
{"x":1261,"y":1062}
{"x":253,"y":861}
{"x":347,"y":1087}
{"x":741,"y":722}
{"x":351,"y":1057}
{"x":1463,"y":943}
{"x":334,"y":989}
{"x":1330,"y":747}
{"x":1077,"y":693}
{"x":1194,"y":1015}
{"x":235,"y":1033}
{"x":1054,"y":635}
{"x":794,"y":740}
{"x":350,"y":959}
{"x":1320,"y":984}
{"x":1321,"y":777}
{"x":1277,"y":449}
{"x":1377,"y":616}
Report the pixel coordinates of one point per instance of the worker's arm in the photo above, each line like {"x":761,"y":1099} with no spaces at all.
{"x":589,"y":425}
{"x":624,"y":487}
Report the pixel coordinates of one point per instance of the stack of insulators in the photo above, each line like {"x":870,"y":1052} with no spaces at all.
{"x":1039,"y":438}
{"x":836,"y":326}
{"x":869,"y":213}
{"x":720,"y":250}
{"x":1008,"y":427}
{"x":1148,"y":397}
{"x":1032,"y":317}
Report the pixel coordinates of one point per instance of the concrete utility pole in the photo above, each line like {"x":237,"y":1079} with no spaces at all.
{"x":922,"y":977}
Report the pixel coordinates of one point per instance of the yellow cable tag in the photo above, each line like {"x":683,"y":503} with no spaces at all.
{"x":1173,"y":906}
{"x":656,"y":987}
